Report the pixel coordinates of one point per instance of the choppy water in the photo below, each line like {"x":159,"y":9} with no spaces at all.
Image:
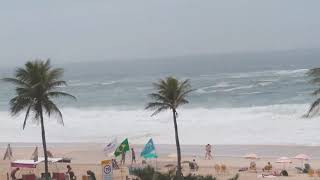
{"x":243,"y":99}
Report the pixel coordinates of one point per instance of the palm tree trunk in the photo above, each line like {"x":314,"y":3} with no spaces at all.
{"x":178,"y":173}
{"x":44,"y":144}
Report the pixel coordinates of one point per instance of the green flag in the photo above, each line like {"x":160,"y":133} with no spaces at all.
{"x":123,"y":147}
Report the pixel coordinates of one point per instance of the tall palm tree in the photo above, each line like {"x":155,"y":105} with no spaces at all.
{"x":170,"y":94}
{"x":314,"y":74}
{"x":37,"y":83}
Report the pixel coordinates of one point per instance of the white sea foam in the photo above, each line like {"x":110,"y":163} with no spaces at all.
{"x":276,"y":124}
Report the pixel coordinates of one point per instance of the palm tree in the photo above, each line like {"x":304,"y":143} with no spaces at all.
{"x":314,"y":74}
{"x":170,"y":94}
{"x":37,"y":84}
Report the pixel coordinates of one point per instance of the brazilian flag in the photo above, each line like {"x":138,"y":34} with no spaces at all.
{"x":123,"y":147}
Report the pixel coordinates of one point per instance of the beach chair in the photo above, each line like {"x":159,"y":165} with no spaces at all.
{"x":306,"y":168}
{"x":28,"y":177}
{"x":58,"y":176}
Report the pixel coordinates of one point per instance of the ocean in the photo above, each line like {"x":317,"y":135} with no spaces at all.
{"x":244,"y":98}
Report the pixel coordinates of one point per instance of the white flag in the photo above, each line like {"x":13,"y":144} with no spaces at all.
{"x":110,"y":147}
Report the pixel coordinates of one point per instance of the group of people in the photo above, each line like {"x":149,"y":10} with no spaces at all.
{"x":72,"y":176}
{"x":133,"y":157}
{"x":69,"y":172}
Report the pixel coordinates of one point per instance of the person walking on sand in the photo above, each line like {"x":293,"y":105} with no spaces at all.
{"x":133,"y":156}
{"x":70,"y":173}
{"x":208,"y":152}
{"x":123,"y":157}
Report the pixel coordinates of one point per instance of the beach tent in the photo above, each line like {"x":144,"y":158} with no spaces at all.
{"x":33,"y":164}
{"x":302,"y":158}
{"x":8,"y":154}
{"x":35,"y":155}
{"x":149,"y":150}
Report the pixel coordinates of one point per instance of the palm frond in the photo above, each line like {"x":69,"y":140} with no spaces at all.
{"x":15,"y":81}
{"x":26,"y":116}
{"x":316,"y":92}
{"x":314,"y":108}
{"x":160,"y":109}
{"x":52,"y":109}
{"x":57,"y":94}
{"x":157,"y":105}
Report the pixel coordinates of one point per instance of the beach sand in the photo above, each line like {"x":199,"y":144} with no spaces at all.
{"x":87,"y":156}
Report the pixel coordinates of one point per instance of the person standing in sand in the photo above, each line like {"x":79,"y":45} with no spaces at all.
{"x":123,"y":157}
{"x":13,"y":173}
{"x":70,"y":173}
{"x":208,"y":152}
{"x":133,"y":156}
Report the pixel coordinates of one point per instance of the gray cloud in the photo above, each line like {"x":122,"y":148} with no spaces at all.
{"x":82,"y":30}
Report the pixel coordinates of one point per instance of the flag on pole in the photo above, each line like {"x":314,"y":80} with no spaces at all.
{"x":110,"y":147}
{"x":8,"y":154}
{"x":123,"y":147}
{"x":149,"y":150}
{"x":35,"y":155}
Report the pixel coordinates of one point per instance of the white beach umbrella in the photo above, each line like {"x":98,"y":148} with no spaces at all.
{"x":284,"y":161}
{"x":174,"y":155}
{"x":302,"y":158}
{"x":251,"y":156}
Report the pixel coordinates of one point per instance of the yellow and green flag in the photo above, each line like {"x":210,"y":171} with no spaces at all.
{"x":123,"y":147}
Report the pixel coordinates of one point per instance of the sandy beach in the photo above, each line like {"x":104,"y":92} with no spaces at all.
{"x":87,"y":156}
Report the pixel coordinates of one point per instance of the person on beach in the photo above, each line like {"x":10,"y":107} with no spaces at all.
{"x":91,"y":175}
{"x":70,"y":173}
{"x":133,"y":156}
{"x":208,"y":152}
{"x":123,"y":158}
{"x":13,"y":173}
{"x":268,"y":167}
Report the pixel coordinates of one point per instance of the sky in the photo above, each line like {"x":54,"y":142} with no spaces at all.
{"x":98,"y":30}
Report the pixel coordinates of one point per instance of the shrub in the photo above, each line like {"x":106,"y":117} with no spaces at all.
{"x":149,"y":173}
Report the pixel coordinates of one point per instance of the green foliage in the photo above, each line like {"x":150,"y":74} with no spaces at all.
{"x":236,"y":177}
{"x":36,"y":85}
{"x":314,"y":75}
{"x":149,"y":173}
{"x":170,"y":94}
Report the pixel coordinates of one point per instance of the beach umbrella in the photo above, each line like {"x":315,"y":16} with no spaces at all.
{"x":302,"y":158}
{"x":169,"y":165}
{"x":284,"y":161}
{"x":172,"y":155}
{"x":251,"y":156}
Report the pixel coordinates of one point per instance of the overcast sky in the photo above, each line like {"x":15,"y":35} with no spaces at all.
{"x":83,"y":30}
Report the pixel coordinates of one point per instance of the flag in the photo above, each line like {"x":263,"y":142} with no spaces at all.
{"x":35,"y":155}
{"x":123,"y":147}
{"x":149,"y":150}
{"x":110,"y":146}
{"x":8,"y":154}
